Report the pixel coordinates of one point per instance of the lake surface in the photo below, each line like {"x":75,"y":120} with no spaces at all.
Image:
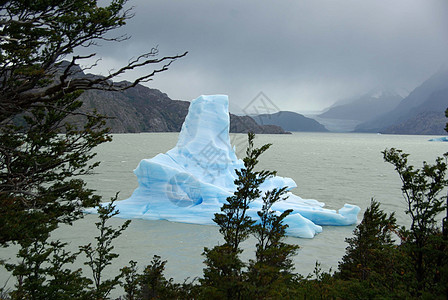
{"x":330,"y":167}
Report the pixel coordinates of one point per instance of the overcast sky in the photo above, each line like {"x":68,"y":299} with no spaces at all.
{"x":303,"y":55}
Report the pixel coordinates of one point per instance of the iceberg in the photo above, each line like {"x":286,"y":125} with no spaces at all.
{"x":190,"y":182}
{"x":440,"y":139}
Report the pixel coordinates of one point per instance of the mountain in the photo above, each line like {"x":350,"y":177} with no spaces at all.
{"x":426,"y":123}
{"x":364,"y":108}
{"x":245,"y":124}
{"x":421,"y":110}
{"x":142,"y":109}
{"x":427,"y":118}
{"x":290,"y":121}
{"x":139,"y":109}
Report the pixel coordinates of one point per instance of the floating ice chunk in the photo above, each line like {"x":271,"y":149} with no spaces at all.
{"x":190,"y":182}
{"x":440,"y":139}
{"x":301,"y":227}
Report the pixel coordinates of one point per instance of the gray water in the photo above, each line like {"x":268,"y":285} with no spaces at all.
{"x":332,"y":168}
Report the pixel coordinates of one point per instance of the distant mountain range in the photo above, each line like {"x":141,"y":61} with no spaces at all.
{"x":142,"y":109}
{"x":421,"y":112}
{"x":364,"y":108}
{"x":290,"y":121}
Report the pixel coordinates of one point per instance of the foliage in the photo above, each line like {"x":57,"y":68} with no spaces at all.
{"x":273,"y":267}
{"x":372,"y":258}
{"x":130,"y":281}
{"x":39,"y":191}
{"x":224,"y":275}
{"x":37,"y":35}
{"x":223,"y":272}
{"x":374,"y":266}
{"x":43,"y":272}
{"x":152,"y":284}
{"x":101,"y":256}
{"x":234,"y":223}
{"x":372,"y":245}
{"x":423,"y":240}
{"x":39,"y":166}
{"x":43,"y":155}
{"x":318,"y":285}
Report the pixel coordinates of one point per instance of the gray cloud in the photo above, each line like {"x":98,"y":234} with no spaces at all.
{"x":304,"y":55}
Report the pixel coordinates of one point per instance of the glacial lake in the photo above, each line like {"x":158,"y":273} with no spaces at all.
{"x":334,"y":168}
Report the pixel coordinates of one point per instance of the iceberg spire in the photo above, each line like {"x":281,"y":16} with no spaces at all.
{"x":203,"y":147}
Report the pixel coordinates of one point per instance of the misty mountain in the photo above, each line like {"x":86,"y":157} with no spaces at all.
{"x":290,"y":121}
{"x":142,"y":109}
{"x":364,"y":108}
{"x":421,"y":112}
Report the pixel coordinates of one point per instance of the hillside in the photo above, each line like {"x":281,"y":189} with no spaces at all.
{"x":426,"y":123}
{"x":142,"y":109}
{"x":364,"y":108}
{"x":424,"y":106}
{"x":427,"y":118}
{"x":290,"y":121}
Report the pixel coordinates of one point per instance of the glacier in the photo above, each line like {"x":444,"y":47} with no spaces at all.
{"x":190,"y":182}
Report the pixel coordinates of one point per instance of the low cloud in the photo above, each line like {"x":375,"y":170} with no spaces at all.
{"x":305,"y":55}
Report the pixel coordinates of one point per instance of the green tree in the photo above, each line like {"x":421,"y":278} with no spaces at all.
{"x":37,"y":35}
{"x":423,"y":241}
{"x":43,"y":155}
{"x":100,"y":256}
{"x":369,"y":250}
{"x":373,"y":265}
{"x":152,"y":284}
{"x":223,"y":276}
{"x":130,"y":280}
{"x":234,"y":222}
{"x":39,"y":166}
{"x":43,"y":272}
{"x":272,"y":270}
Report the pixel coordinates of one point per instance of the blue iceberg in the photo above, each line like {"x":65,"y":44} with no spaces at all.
{"x":190,"y":182}
{"x":440,"y":139}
